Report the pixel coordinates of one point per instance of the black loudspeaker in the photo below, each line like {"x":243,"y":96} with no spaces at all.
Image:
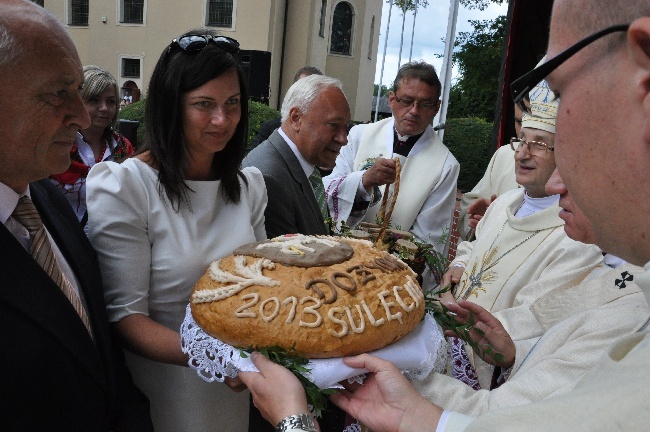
{"x":257,"y":71}
{"x":129,"y":128}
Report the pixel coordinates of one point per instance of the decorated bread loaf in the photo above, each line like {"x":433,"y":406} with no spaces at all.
{"x":323,"y":296}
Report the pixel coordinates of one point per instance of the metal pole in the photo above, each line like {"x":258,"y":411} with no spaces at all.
{"x":383,"y":60}
{"x":401,"y":41}
{"x":415,"y":14}
{"x":441,"y":117}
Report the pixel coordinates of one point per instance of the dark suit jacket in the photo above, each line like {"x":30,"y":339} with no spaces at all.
{"x":292,"y":207}
{"x":53,"y":377}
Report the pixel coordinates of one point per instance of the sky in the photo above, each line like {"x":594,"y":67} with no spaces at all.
{"x":430,"y":30}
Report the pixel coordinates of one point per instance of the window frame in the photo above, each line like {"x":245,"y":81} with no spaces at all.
{"x":233,"y":18}
{"x":352,"y":30}
{"x":323,"y":17}
{"x":120,"y":14}
{"x":123,"y":61}
{"x":70,"y":10}
{"x":372,"y":37}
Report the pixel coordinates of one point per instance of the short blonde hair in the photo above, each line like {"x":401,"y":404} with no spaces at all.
{"x":96,"y":80}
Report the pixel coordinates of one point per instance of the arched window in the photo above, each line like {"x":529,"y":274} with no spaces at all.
{"x":341,"y":41}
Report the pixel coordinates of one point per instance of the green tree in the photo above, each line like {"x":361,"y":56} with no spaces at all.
{"x":405,"y":6}
{"x":384,"y":90}
{"x":478,"y":58}
{"x":135,"y":112}
{"x":468,"y":140}
{"x":258,"y":113}
{"x":480,"y":4}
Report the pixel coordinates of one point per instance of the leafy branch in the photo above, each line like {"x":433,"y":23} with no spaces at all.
{"x":448,"y":321}
{"x":343,"y":231}
{"x":296,"y":363}
{"x":479,"y":4}
{"x":409,"y":5}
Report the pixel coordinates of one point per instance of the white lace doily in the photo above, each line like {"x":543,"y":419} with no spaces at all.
{"x":417,"y":354}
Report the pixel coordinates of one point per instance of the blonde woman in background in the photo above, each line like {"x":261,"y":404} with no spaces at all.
{"x":97,"y":143}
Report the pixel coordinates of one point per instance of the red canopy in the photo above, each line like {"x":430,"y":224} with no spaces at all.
{"x":525,"y":45}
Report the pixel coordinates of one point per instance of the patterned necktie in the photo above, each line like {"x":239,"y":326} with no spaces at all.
{"x":319,"y":191}
{"x":41,"y":250}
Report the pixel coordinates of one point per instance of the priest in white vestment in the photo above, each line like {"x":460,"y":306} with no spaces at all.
{"x":499,"y":177}
{"x":604,"y":158}
{"x":427,"y":191}
{"x":521,"y":251}
{"x":578,"y":323}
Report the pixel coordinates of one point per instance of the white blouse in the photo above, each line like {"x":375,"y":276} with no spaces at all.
{"x":151,"y":256}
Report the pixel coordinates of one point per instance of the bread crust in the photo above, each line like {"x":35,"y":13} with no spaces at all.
{"x":359,"y":305}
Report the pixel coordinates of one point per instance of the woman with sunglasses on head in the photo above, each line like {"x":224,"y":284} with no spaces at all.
{"x":98,"y":142}
{"x":158,"y":220}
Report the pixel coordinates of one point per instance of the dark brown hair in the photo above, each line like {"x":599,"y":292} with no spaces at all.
{"x":178,"y":72}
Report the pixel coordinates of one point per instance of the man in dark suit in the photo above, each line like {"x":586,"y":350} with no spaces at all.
{"x":59,"y":367}
{"x":315,"y":116}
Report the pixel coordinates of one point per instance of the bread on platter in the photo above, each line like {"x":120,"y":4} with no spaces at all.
{"x":322,"y":296}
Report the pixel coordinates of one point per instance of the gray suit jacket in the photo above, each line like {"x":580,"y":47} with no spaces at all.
{"x":292,"y":207}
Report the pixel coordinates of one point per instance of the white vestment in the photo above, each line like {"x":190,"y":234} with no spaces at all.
{"x":578,"y":322}
{"x":613,"y":396}
{"x":437,"y":192}
{"x":514,"y":261}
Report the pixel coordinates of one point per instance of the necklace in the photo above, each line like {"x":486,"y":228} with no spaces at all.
{"x":487,"y":263}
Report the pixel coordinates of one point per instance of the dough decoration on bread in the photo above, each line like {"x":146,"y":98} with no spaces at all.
{"x":323,"y":296}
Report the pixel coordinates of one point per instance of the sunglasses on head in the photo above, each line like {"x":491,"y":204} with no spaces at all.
{"x":196,"y":43}
{"x":523,"y":85}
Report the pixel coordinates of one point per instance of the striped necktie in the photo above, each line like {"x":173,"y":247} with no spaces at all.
{"x":319,"y":191}
{"x":41,"y":250}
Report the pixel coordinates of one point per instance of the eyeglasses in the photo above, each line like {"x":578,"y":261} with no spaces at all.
{"x":196,"y":43}
{"x":406,"y":102}
{"x":522,"y":86}
{"x":536,"y":148}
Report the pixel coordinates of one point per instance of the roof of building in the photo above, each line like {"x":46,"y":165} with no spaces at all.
{"x":383,"y":105}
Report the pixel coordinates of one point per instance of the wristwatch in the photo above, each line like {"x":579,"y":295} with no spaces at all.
{"x":302,"y":422}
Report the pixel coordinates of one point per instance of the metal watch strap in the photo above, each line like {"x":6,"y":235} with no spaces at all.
{"x":296,"y":421}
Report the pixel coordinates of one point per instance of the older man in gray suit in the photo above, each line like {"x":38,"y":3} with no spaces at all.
{"x":315,"y":116}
